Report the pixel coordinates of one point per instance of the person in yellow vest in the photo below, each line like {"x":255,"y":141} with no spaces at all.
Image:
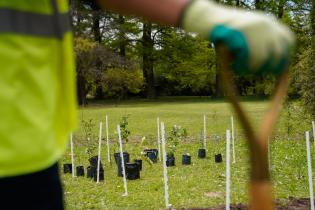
{"x":37,"y":82}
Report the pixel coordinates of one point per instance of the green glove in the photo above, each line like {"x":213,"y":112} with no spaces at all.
{"x":259,"y":43}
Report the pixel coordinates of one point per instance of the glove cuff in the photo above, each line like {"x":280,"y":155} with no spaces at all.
{"x":198,"y":16}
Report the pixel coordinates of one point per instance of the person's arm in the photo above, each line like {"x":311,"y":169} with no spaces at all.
{"x":166,"y":12}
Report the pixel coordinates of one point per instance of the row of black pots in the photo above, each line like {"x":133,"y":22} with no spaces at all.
{"x":132,"y":169}
{"x":152,"y":154}
{"x":186,"y":160}
{"x":91,"y":171}
{"x":202,"y":155}
{"x":170,"y":160}
{"x":67,"y":168}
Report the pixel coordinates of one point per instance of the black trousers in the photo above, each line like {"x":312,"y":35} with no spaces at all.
{"x":37,"y":191}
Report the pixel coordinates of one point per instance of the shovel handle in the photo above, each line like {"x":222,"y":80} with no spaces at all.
{"x":260,"y":185}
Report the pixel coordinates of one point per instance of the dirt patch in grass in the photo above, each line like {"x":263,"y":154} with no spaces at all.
{"x":291,"y":204}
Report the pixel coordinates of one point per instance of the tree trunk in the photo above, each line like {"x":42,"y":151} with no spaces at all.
{"x":280,"y":10}
{"x":122,"y":38}
{"x":147,"y":60}
{"x":218,"y":90}
{"x":97,"y":38}
{"x":81,"y":92}
{"x":96,"y":27}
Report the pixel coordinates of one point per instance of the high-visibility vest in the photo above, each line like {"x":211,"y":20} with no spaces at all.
{"x":37,"y":84}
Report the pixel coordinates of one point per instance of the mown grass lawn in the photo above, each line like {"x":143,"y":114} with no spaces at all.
{"x":201,"y":184}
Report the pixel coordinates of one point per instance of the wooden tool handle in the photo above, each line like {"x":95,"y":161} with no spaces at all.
{"x":260,"y":186}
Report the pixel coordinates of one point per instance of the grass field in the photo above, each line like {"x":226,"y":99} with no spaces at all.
{"x":201,"y":184}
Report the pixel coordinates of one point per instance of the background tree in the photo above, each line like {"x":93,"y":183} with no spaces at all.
{"x":174,"y":62}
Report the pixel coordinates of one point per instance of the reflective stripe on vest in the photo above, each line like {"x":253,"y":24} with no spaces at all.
{"x":33,"y":24}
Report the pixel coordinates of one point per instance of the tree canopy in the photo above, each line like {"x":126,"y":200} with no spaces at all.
{"x":120,"y":56}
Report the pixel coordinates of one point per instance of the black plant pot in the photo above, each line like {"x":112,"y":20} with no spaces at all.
{"x":94,"y":161}
{"x":218,"y":158}
{"x":139,"y":162}
{"x":186,"y":160}
{"x":117,"y":157}
{"x":170,"y":161}
{"x":67,"y":168}
{"x":101,"y":176}
{"x":132,"y":171}
{"x":119,"y":168}
{"x":152,"y":154}
{"x":80,"y":171}
{"x":90,"y":171}
{"x":202,"y":153}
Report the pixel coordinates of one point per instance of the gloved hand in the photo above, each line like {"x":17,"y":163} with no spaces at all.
{"x":259,"y":43}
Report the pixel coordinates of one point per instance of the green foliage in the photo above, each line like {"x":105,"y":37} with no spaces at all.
{"x":294,"y":121}
{"x":118,"y":82}
{"x":182,"y":63}
{"x":124,"y":130}
{"x":88,"y":128}
{"x":185,"y":64}
{"x":101,"y":72}
{"x":174,"y":137}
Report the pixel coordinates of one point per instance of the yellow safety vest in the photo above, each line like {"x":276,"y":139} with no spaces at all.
{"x":37,"y":84}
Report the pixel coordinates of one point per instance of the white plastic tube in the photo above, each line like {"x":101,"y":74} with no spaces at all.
{"x":309,"y":166}
{"x":122,"y":161}
{"x":233,"y":139}
{"x":227,"y":191}
{"x":164,"y":167}
{"x":107,"y":140}
{"x":158,"y":137}
{"x":99,"y":153}
{"x":72,"y":155}
{"x":204,"y":132}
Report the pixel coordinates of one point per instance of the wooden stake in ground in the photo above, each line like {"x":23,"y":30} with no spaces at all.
{"x":99,"y":154}
{"x":122,"y":161}
{"x":158,"y":137}
{"x":107,"y":140}
{"x":164,"y":167}
{"x":204,"y":132}
{"x":227,"y":191}
{"x":233,"y":138}
{"x":309,"y":166}
{"x":72,"y":155}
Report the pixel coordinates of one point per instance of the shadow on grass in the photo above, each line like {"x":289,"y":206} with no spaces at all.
{"x":167,"y":99}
